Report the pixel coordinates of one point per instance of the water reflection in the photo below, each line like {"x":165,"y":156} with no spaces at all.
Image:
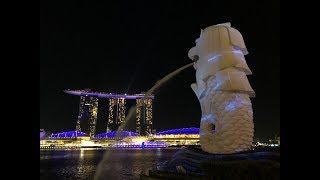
{"x":81,"y":153}
{"x":159,"y":152}
{"x":82,"y":164}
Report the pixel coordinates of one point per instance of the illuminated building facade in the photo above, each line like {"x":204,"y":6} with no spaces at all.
{"x":77,"y":139}
{"x":87,"y":118}
{"x":88,"y":111}
{"x":144,"y":117}
{"x":117,"y":113}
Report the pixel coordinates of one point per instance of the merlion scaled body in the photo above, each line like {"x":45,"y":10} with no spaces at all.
{"x":223,"y":90}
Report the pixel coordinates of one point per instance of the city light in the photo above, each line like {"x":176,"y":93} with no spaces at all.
{"x":128,"y":139}
{"x":117,"y":111}
{"x":113,"y":134}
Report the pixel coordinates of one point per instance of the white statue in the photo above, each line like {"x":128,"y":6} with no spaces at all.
{"x":223,"y":90}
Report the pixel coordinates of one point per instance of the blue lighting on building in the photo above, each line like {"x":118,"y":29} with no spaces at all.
{"x":113,"y":134}
{"x":70,"y":134}
{"x":191,"y":130}
{"x":143,"y":145}
{"x":42,"y":134}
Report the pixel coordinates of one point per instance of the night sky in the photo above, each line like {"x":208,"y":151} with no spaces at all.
{"x":126,"y":47}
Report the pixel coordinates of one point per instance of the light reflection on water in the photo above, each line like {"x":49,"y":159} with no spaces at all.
{"x":82,"y":164}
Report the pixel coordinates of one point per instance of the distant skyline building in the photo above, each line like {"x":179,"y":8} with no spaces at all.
{"x":88,"y":111}
{"x":87,"y":118}
{"x":144,"y":116}
{"x":117,"y":113}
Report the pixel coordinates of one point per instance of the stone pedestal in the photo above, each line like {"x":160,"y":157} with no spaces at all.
{"x":193,"y":163}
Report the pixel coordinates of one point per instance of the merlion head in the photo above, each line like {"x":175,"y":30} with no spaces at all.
{"x":218,"y":47}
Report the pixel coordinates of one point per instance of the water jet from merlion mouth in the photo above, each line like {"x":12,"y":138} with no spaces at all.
{"x":101,"y":167}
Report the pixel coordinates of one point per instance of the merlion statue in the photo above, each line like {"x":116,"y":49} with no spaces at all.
{"x":223,"y":90}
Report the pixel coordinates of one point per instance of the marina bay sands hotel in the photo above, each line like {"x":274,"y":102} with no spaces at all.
{"x":88,"y":111}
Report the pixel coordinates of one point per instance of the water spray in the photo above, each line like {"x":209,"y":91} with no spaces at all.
{"x":131,"y":112}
